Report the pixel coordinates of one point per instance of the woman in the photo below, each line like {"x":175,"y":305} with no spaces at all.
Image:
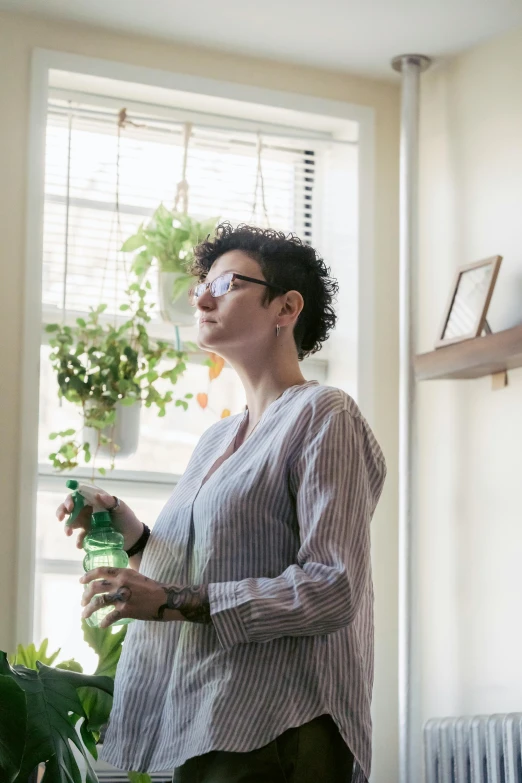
{"x":253,"y":660}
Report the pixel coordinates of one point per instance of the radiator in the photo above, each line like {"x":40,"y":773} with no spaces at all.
{"x":479,"y":749}
{"x":122,"y":777}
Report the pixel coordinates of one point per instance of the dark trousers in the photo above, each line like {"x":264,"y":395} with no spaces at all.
{"x":313,"y":753}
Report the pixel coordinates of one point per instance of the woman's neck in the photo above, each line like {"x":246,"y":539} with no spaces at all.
{"x":265,"y":376}
{"x":265,"y":392}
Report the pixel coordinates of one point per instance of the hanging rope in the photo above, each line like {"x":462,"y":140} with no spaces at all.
{"x":67,"y":205}
{"x":121,"y":123}
{"x":181,"y":197}
{"x":118,"y":237}
{"x":260,"y":183}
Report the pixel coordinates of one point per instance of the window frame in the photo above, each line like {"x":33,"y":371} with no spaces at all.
{"x":44,"y":63}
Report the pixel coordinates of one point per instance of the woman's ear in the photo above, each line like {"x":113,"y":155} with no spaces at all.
{"x":291,"y":308}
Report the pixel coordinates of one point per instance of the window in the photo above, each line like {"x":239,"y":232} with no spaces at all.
{"x":100,"y":184}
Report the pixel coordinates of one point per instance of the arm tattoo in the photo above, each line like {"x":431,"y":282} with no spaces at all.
{"x":192,"y":602}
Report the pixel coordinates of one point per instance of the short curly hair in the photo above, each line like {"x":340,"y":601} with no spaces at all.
{"x":286,"y":262}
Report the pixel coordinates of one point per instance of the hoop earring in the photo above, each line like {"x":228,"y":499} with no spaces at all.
{"x":278,"y":329}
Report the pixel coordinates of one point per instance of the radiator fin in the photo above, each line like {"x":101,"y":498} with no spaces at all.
{"x":475,"y":749}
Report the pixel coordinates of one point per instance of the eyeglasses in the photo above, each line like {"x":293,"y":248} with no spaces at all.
{"x":223,"y":284}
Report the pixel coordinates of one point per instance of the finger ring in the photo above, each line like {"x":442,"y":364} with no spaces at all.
{"x":116,"y":504}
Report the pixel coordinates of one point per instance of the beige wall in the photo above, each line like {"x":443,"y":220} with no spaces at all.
{"x":468,"y":559}
{"x":18,"y":36}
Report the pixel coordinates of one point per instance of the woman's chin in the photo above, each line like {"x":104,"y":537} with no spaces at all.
{"x":202,"y":342}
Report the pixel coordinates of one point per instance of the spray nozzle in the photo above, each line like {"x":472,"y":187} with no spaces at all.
{"x":78,"y":500}
{"x":85,"y":494}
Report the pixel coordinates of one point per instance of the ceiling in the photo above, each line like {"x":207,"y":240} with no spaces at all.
{"x":359,"y":36}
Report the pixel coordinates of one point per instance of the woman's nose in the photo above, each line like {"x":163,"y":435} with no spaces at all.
{"x":205,"y":300}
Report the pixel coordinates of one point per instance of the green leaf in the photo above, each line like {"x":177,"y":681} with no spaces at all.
{"x":141,"y":263}
{"x":51,"y":697}
{"x":52,"y":328}
{"x":139,"y":777}
{"x":28,"y":656}
{"x":81,"y":322}
{"x":102,"y":471}
{"x":181,"y":286}
{"x":127,"y":401}
{"x":133,"y":243}
{"x":71,"y":666}
{"x":13,"y":727}
{"x":90,"y":738}
{"x":124,"y":307}
{"x":107,"y":644}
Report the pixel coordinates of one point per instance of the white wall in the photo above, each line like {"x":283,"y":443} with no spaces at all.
{"x":468,"y":554}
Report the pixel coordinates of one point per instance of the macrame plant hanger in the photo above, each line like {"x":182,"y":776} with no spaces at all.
{"x":182,"y":193}
{"x":182,"y":188}
{"x":121,"y":122}
{"x":260,"y":184}
{"x":67,"y":211}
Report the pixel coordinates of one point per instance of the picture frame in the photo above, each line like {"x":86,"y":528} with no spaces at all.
{"x":467,"y":308}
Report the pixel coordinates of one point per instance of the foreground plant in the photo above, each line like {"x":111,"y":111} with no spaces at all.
{"x":42,"y":709}
{"x":39,"y":710}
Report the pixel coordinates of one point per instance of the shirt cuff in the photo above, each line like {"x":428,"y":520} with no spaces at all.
{"x":225,"y":615}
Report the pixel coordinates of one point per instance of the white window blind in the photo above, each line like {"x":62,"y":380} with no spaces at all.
{"x":90,"y":167}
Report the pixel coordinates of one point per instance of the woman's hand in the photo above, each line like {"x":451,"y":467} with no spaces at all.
{"x":135,"y":595}
{"x":123,"y":518}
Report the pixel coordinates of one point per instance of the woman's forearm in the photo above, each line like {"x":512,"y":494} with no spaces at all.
{"x":135,"y":561}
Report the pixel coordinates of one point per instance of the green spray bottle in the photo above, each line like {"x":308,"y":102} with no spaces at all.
{"x":103,"y":544}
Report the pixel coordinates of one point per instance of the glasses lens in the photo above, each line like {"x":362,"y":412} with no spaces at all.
{"x":221,"y":285}
{"x":195,"y":293}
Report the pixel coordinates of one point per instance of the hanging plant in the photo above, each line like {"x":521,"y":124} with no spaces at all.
{"x":166,"y":242}
{"x":103,"y":367}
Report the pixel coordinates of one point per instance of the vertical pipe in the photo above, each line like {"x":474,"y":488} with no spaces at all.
{"x":410,"y":66}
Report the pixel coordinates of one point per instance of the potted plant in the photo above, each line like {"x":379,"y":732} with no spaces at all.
{"x":167,"y":241}
{"x":110,"y":369}
{"x":46,"y":707}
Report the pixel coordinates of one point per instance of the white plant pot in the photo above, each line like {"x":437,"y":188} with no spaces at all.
{"x":125,"y":433}
{"x":179,"y":312}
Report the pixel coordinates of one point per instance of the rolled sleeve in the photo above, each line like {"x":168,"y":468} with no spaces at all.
{"x":225,"y":614}
{"x":337,"y":481}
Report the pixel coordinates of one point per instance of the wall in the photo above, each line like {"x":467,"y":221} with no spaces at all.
{"x":18,"y":36}
{"x":468,"y":576}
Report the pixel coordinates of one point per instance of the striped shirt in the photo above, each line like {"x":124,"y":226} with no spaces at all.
{"x":280,"y":533}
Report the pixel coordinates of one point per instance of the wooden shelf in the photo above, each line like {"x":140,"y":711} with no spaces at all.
{"x":493,"y":353}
